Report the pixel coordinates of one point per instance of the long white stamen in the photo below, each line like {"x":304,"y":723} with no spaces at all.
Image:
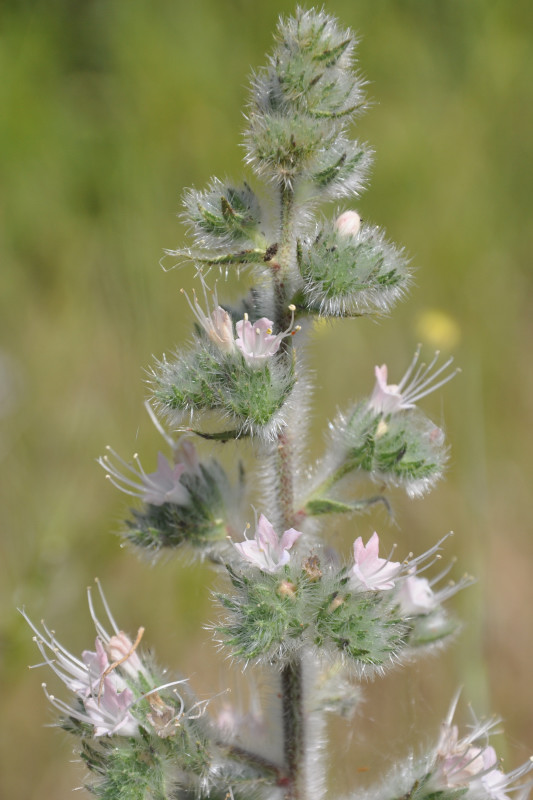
{"x":159,"y":428}
{"x":106,"y":607}
{"x":410,"y":368}
{"x":160,"y":689}
{"x":426,"y":383}
{"x":100,"y":630}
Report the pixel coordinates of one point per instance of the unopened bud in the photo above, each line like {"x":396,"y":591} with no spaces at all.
{"x":382,"y":429}
{"x":335,"y":603}
{"x":348,"y":223}
{"x":287,"y":589}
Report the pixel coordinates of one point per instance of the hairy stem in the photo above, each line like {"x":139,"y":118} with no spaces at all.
{"x":291,"y":676}
{"x":293,"y":728}
{"x":281,"y":265}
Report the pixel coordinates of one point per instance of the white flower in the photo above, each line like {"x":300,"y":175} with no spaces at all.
{"x":161,"y":486}
{"x":216,"y":323}
{"x":472,"y":763}
{"x":257,"y":343}
{"x":389,"y":398}
{"x":348,"y":223}
{"x":369,"y":571}
{"x":416,"y":596}
{"x":268,"y":551}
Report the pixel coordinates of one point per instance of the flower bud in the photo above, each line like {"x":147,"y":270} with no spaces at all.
{"x":286,"y":589}
{"x":348,"y":223}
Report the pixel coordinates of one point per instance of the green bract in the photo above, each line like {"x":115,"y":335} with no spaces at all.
{"x":340,"y":170}
{"x":405,"y":449}
{"x":351,"y":275}
{"x":272,"y":616}
{"x":224,"y":215}
{"x":202,"y":380}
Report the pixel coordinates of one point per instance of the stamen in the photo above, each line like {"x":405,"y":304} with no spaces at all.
{"x":410,"y":368}
{"x":159,"y":428}
{"x":106,"y":607}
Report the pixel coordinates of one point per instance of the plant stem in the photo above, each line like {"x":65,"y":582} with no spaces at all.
{"x":281,"y":265}
{"x":291,"y":675}
{"x":293,"y":728}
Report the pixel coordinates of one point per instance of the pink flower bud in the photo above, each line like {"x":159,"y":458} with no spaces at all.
{"x":348,"y":223}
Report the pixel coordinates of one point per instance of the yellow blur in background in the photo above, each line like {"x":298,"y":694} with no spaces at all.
{"x":109,"y":108}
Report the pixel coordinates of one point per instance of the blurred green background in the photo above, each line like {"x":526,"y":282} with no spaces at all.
{"x":109,"y":108}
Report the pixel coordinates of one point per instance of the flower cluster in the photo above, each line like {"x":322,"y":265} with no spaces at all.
{"x":108,"y":683}
{"x":470,"y":763}
{"x":255,"y":341}
{"x":413,"y":594}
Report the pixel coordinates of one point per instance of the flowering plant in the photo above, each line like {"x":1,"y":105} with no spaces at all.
{"x":287,"y":599}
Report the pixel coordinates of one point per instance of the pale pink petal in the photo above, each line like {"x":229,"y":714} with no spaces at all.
{"x":416,"y":596}
{"x":289,"y":538}
{"x":265,"y":535}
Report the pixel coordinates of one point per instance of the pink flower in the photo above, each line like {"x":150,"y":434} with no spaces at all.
{"x":389,"y":398}
{"x":159,"y":487}
{"x":110,"y":713}
{"x":369,"y":571}
{"x":257,"y":343}
{"x":109,"y":682}
{"x":459,"y":761}
{"x":216,"y":323}
{"x":416,"y":596}
{"x":96,"y":680}
{"x":348,"y":223}
{"x":471,"y":763}
{"x":268,"y":551}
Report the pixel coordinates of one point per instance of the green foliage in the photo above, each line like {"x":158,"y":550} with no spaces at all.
{"x":309,"y":70}
{"x":302,"y":102}
{"x":272,"y":615}
{"x":129,"y":770}
{"x":362,"y":625}
{"x":341,"y":169}
{"x":284,"y":146}
{"x":268,"y":612}
{"x":154,"y":764}
{"x":200,"y":380}
{"x":351,"y":275}
{"x":405,"y":449}
{"x":147,"y":767}
{"x":223,"y":215}
{"x":200,"y":523}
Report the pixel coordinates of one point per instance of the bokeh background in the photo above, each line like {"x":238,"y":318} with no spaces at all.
{"x":109,"y":108}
